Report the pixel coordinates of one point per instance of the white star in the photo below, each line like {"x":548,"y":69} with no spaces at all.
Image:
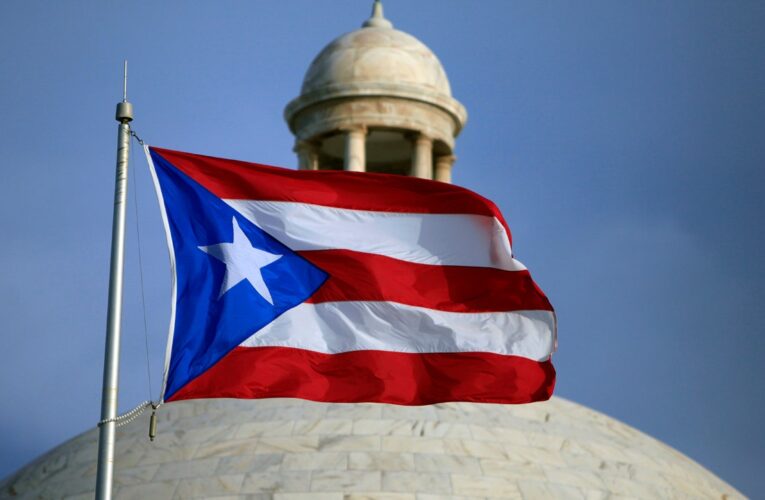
{"x":243,"y":262}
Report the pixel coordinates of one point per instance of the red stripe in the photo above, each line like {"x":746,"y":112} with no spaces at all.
{"x":234,"y":179}
{"x":372,"y":277}
{"x":373,"y":376}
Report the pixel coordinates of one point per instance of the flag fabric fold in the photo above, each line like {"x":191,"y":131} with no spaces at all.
{"x":344,"y":287}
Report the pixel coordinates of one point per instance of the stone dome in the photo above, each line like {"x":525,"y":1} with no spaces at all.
{"x":371,"y":57}
{"x":293,"y":449}
{"x":377,"y":60}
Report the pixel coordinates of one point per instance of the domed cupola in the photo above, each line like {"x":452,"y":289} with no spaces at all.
{"x":378,"y":100}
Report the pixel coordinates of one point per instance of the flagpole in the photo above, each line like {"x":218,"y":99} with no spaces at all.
{"x":107,"y":431}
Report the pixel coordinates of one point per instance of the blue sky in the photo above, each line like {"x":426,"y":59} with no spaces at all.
{"x":624,"y":141}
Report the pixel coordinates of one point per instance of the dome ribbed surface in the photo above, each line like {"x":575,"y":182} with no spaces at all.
{"x":292,"y":449}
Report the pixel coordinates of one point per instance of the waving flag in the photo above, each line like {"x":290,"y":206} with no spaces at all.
{"x":344,"y":287}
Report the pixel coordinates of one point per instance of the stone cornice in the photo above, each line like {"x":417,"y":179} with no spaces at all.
{"x":371,"y":89}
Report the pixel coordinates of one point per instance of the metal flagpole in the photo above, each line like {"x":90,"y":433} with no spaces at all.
{"x":108,"y":422}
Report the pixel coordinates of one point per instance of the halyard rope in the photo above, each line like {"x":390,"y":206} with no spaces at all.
{"x":140,"y":270}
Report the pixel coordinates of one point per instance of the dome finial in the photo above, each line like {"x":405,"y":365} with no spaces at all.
{"x":378,"y":19}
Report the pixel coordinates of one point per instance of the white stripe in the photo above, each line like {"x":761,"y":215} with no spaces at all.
{"x":335,"y":327}
{"x":438,"y":239}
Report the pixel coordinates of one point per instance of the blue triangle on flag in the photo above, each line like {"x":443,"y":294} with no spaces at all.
{"x":209,"y":323}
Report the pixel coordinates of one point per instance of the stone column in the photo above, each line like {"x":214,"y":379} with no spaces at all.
{"x":444,"y":168}
{"x":355,"y":149}
{"x":308,"y":157}
{"x":422,"y":159}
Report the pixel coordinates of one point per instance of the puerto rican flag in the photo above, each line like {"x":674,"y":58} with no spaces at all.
{"x":344,"y":287}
